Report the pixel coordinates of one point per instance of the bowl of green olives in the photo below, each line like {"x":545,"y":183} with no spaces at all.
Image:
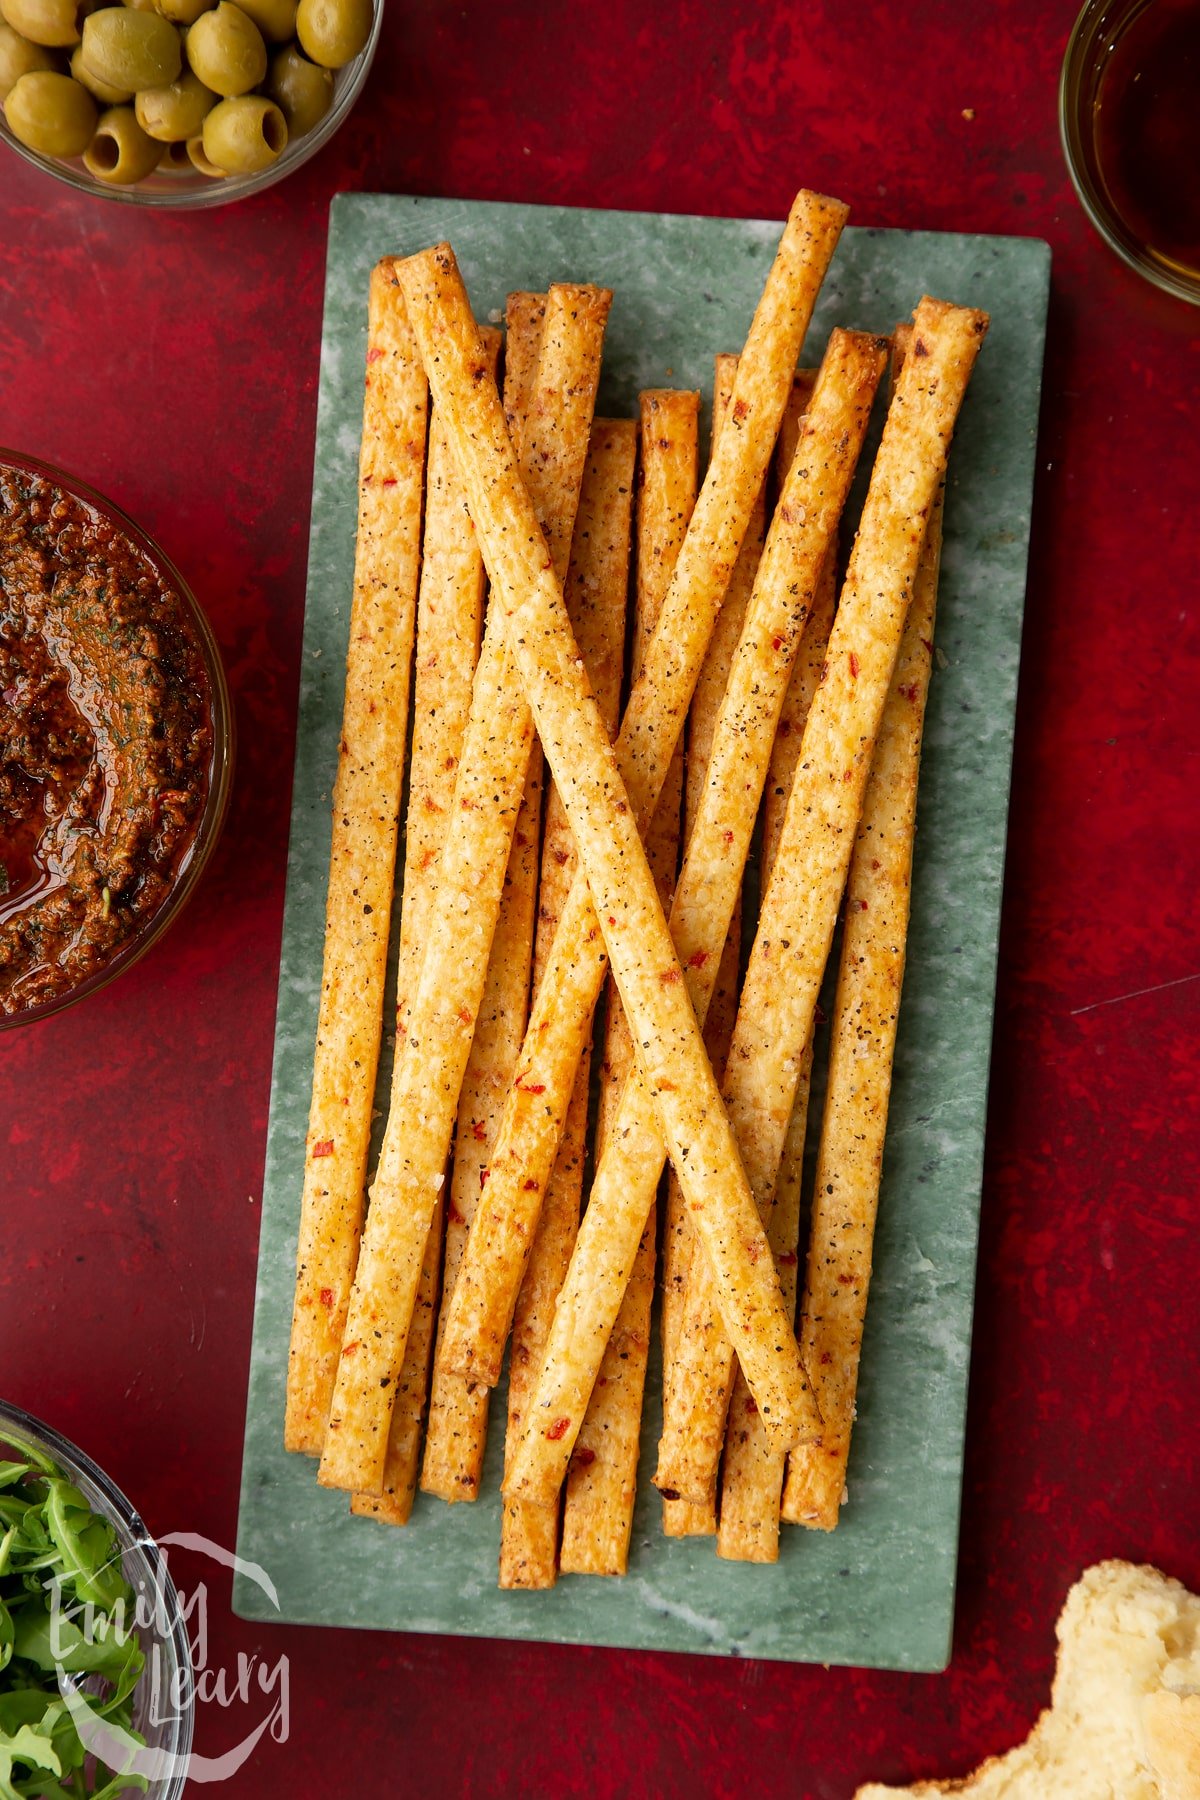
{"x":179,"y":103}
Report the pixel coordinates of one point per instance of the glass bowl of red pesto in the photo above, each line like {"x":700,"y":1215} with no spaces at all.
{"x":116,"y":741}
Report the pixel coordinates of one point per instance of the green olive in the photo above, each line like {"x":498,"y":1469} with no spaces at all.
{"x":302,"y":90}
{"x":332,"y":32}
{"x":19,"y":57}
{"x":120,"y":151}
{"x":53,"y":23}
{"x":99,"y":90}
{"x":198,"y":160}
{"x":182,"y":12}
{"x":171,"y":113}
{"x":50,"y":113}
{"x":131,"y":50}
{"x":226,"y":50}
{"x":244,"y":135}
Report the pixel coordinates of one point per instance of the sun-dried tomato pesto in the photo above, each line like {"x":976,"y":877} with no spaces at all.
{"x":106,"y":740}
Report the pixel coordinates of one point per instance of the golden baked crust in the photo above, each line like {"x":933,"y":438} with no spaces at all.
{"x":1124,"y":1718}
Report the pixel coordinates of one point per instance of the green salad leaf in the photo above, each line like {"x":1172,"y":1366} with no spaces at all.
{"x":66,"y":1610}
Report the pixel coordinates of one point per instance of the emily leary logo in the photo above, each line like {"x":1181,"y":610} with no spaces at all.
{"x":252,"y":1685}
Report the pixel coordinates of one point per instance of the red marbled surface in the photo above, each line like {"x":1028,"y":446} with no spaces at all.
{"x":172,"y":362}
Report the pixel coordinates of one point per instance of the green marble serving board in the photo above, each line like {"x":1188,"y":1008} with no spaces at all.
{"x":880,"y":1590}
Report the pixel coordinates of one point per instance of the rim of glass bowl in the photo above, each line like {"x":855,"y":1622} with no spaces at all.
{"x":105,"y":1497}
{"x":220,"y":768}
{"x":1081,"y":70}
{"x":183,"y":192}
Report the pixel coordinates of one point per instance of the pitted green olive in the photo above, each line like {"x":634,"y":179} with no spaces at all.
{"x":19,"y":57}
{"x":53,"y":23}
{"x":198,"y":160}
{"x":131,"y":50}
{"x":244,"y":135}
{"x":50,"y":113}
{"x":169,"y":114}
{"x":332,"y":32}
{"x":120,"y":150}
{"x":99,"y":90}
{"x":303,"y":92}
{"x":226,"y":50}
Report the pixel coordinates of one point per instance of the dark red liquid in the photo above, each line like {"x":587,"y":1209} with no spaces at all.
{"x":1147,"y":130}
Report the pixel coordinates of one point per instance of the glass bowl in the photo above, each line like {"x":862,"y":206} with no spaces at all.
{"x":161,"y":1627}
{"x":193,"y":190}
{"x":220,"y":770}
{"x":1098,"y":31}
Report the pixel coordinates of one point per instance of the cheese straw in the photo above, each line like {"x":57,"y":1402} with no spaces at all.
{"x":449,"y":614}
{"x":362,"y":859}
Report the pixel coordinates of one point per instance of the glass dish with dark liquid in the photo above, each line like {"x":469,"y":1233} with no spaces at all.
{"x":1129,"y":107}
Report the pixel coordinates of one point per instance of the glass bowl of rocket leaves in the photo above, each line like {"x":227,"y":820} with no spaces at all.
{"x":96,"y":1687}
